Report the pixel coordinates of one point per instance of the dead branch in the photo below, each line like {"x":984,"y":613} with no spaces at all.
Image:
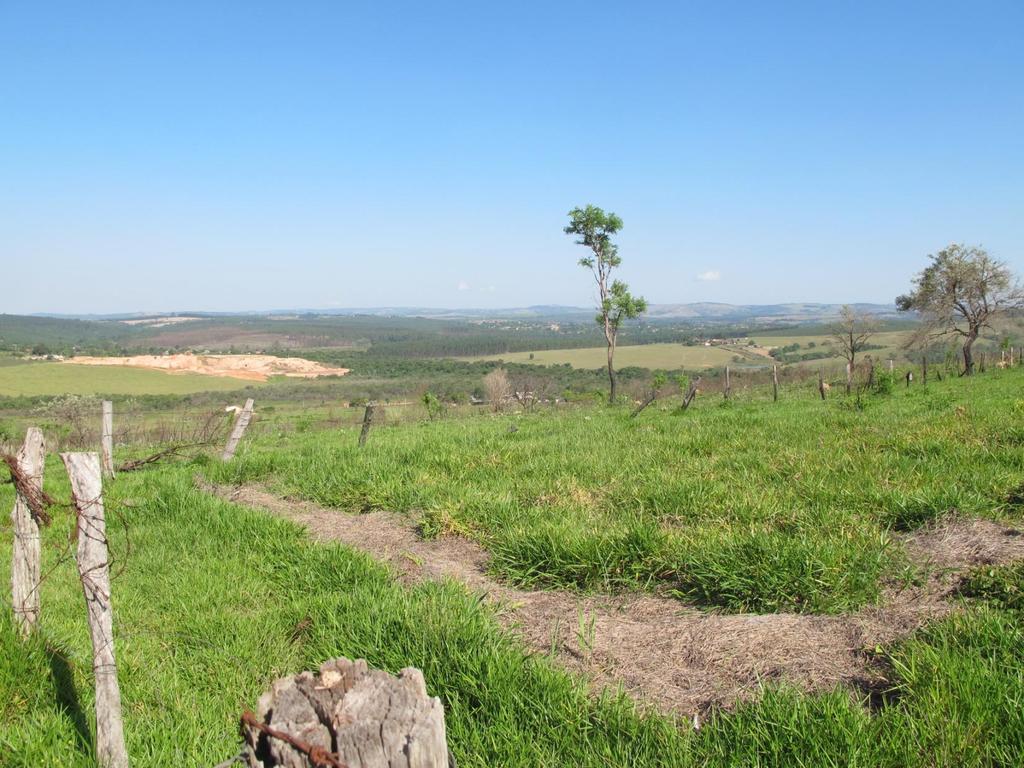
{"x":174,"y":450}
{"x":38,"y":500}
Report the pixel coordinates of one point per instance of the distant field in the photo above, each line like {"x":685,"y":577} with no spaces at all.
{"x":671,"y":356}
{"x":886,"y":339}
{"x":59,"y":379}
{"x":667,"y":356}
{"x":891,"y":343}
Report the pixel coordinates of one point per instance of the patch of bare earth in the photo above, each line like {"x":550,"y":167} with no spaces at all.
{"x":247,"y":367}
{"x":682,"y":660}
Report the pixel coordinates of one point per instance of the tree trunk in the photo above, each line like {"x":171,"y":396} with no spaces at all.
{"x":968,"y":356}
{"x":612,"y":383}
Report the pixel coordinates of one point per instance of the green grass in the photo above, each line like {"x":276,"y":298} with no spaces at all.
{"x":1002,"y":586}
{"x":741,"y":505}
{"x":654,"y":356}
{"x":37,"y":378}
{"x":209,"y":598}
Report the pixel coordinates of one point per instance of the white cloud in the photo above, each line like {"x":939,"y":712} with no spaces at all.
{"x":462,"y":286}
{"x":710,"y":276}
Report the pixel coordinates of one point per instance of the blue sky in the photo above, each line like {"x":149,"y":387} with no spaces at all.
{"x":262,"y":155}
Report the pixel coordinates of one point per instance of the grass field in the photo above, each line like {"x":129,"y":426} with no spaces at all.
{"x":891,"y":343}
{"x":675,"y":356}
{"x":38,"y":378}
{"x":743,"y":506}
{"x":664,"y":356}
{"x":783,"y":507}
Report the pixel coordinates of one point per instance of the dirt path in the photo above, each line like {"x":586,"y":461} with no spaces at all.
{"x":680,"y":659}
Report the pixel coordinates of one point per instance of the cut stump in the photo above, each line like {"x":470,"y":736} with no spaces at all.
{"x":349,"y":715}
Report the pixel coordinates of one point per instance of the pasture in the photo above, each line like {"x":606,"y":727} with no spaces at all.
{"x":737,"y":505}
{"x":655,"y":356}
{"x":799,"y":510}
{"x":45,"y":378}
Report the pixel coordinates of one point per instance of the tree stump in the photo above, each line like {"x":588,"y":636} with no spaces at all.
{"x":347,"y":715}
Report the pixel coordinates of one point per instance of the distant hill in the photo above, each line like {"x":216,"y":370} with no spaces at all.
{"x":701,"y":311}
{"x":802,"y":312}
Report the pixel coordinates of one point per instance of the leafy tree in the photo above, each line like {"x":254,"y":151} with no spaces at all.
{"x":594,"y":229}
{"x":851,"y":333}
{"x":960,"y":293}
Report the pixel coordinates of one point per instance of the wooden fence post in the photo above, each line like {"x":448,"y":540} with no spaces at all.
{"x":890,"y":365}
{"x":691,"y":393}
{"x":26,"y":555}
{"x":821,"y":384}
{"x":775,"y":383}
{"x":728,"y":383}
{"x":107,"y":439}
{"x":93,"y":569}
{"x":924,"y":370}
{"x":368,"y":415}
{"x":849,"y":377}
{"x":239,"y":429}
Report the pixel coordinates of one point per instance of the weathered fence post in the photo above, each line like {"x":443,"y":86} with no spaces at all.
{"x":910,"y":377}
{"x":924,"y":370}
{"x":239,"y":429}
{"x":849,"y":377}
{"x":890,"y":365}
{"x":691,"y":393}
{"x":775,"y":383}
{"x":93,"y":569}
{"x":728,"y":383}
{"x":368,"y":414}
{"x":107,"y":438}
{"x":26,"y":555}
{"x":347,"y":715}
{"x":821,"y":384}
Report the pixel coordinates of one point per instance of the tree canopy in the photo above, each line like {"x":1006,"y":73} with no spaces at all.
{"x":960,"y":293}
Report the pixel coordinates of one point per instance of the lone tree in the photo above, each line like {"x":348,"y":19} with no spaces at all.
{"x":851,"y":333}
{"x":594,"y":229}
{"x":960,"y":293}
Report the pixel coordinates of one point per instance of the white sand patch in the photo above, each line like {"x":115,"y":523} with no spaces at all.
{"x":249,"y":367}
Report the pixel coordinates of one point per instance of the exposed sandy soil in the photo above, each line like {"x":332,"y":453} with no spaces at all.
{"x":160,"y":322}
{"x":682,"y":660}
{"x":248,"y":367}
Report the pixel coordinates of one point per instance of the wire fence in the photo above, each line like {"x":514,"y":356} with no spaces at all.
{"x":74,"y":423}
